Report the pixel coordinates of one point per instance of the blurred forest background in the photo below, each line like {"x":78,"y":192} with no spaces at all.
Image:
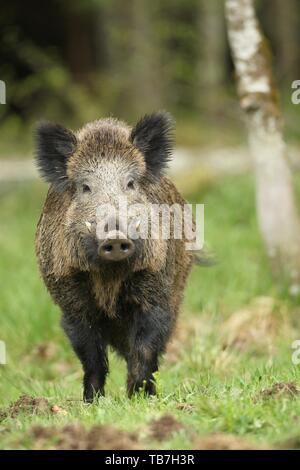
{"x":74,"y":61}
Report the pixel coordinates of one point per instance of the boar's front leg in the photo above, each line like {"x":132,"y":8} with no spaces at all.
{"x":91,"y":351}
{"x":80,"y":322}
{"x":150,"y":333}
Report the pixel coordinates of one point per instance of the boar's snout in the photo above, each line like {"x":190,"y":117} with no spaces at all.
{"x":116,"y":247}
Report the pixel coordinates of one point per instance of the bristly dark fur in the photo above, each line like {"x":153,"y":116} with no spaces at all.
{"x":54,"y":145}
{"x":153,"y":136}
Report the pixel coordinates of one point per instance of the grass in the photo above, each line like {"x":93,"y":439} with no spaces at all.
{"x":209,"y":388}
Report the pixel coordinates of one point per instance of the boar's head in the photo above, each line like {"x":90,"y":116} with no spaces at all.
{"x":103,"y":164}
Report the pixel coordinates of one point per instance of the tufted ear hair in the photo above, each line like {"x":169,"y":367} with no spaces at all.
{"x":54,"y":145}
{"x":153,"y":136}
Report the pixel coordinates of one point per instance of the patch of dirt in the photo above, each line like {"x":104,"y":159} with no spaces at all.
{"x":26,"y":404}
{"x":30,"y":405}
{"x":256,"y":327}
{"x":163,"y":427}
{"x":288,"y":389}
{"x":77,"y":437}
{"x":222,"y":441}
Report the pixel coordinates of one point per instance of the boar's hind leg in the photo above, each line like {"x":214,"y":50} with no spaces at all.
{"x":91,"y":351}
{"x":149,"y":336}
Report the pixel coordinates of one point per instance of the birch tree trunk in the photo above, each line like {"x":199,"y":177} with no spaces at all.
{"x":275,"y":200}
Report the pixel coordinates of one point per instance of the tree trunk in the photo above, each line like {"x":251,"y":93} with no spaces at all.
{"x":145,"y":82}
{"x":275,"y":200}
{"x":286,"y":36}
{"x":212,"y":47}
{"x":78,"y":46}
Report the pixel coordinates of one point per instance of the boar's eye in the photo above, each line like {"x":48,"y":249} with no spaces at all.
{"x":86,"y":188}
{"x":130,"y":184}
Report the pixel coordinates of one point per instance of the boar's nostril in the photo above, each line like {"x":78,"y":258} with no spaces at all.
{"x":125,"y":246}
{"x":108,"y":248}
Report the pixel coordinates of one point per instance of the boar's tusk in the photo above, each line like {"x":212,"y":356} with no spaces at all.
{"x":138,"y":224}
{"x":89,"y":225}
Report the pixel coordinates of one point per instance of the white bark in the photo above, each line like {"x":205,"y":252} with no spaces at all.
{"x":276,"y":207}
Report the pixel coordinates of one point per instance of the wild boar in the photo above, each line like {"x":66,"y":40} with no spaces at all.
{"x":113,"y":291}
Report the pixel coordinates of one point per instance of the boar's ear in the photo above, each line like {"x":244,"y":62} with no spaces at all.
{"x":54,"y":145}
{"x":153,"y":136}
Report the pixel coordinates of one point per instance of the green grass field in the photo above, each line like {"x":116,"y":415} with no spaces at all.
{"x":214,"y":374}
